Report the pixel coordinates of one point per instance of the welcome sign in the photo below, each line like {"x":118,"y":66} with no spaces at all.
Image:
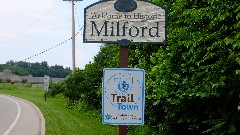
{"x":104,"y":24}
{"x":123,"y":96}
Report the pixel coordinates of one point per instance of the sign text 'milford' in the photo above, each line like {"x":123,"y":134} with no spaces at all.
{"x":117,"y":29}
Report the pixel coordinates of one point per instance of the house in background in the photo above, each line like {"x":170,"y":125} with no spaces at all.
{"x":54,"y":80}
{"x":7,"y":74}
{"x":35,"y":80}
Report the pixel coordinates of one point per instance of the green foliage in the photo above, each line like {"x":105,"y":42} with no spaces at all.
{"x":195,"y":79}
{"x":85,"y":108}
{"x":29,"y":85}
{"x":85,"y":85}
{"x":1,"y":80}
{"x":8,"y":81}
{"x":56,"y":88}
{"x":24,"y":81}
{"x":192,"y":83}
{"x":74,"y":85}
{"x":141,"y":130}
{"x":58,"y":71}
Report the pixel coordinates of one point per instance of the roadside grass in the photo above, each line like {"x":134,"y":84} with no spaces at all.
{"x":59,"y":119}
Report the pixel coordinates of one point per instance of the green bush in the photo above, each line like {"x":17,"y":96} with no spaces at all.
{"x":28,"y":85}
{"x":74,"y":85}
{"x":56,"y":88}
{"x":8,"y":81}
{"x":85,"y":85}
{"x":192,"y":83}
{"x":24,"y":81}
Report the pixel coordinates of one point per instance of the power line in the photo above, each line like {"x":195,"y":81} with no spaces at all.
{"x":34,"y":40}
{"x":53,"y":46}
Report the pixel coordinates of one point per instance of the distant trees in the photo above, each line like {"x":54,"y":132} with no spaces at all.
{"x":36,"y":69}
{"x":58,"y":71}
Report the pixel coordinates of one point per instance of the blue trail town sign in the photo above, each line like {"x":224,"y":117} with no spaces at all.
{"x":134,"y":21}
{"x":123,"y":96}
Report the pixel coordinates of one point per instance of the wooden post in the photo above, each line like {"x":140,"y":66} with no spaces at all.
{"x":45,"y":96}
{"x":123,"y":129}
{"x":124,"y":57}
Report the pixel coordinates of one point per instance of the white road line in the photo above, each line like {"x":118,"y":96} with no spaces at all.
{"x":16,"y":119}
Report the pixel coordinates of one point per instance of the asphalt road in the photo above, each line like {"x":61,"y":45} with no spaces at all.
{"x":20,"y":117}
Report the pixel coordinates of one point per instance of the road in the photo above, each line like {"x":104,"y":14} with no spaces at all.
{"x":20,"y":117}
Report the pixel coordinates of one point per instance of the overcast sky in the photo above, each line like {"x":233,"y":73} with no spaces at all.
{"x":29,"y":27}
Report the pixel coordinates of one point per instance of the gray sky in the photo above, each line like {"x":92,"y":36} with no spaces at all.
{"x":29,"y":27}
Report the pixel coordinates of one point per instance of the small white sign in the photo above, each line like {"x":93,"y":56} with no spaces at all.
{"x":46,"y":83}
{"x":123,"y":96}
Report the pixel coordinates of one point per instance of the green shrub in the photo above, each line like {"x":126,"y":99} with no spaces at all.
{"x":56,"y":88}
{"x":85,"y":85}
{"x":192,"y":83}
{"x":8,"y":81}
{"x":75,"y":86}
{"x":28,"y":85}
{"x":24,"y":81}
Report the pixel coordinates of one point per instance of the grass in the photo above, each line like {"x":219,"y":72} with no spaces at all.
{"x":59,"y":119}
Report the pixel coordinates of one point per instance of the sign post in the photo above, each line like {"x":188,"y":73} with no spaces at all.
{"x":124,"y":22}
{"x":123,"y":129}
{"x":46,"y":86}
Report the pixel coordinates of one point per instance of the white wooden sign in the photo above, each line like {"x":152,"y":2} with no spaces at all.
{"x":123,"y":96}
{"x":46,"y":83}
{"x":104,"y":24}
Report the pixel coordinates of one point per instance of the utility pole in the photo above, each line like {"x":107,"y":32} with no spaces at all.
{"x":73,"y":36}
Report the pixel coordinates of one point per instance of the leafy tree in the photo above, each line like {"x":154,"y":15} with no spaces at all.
{"x":193,"y":85}
{"x":86,"y":84}
{"x":11,"y":63}
{"x":58,"y":71}
{"x":22,"y":64}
